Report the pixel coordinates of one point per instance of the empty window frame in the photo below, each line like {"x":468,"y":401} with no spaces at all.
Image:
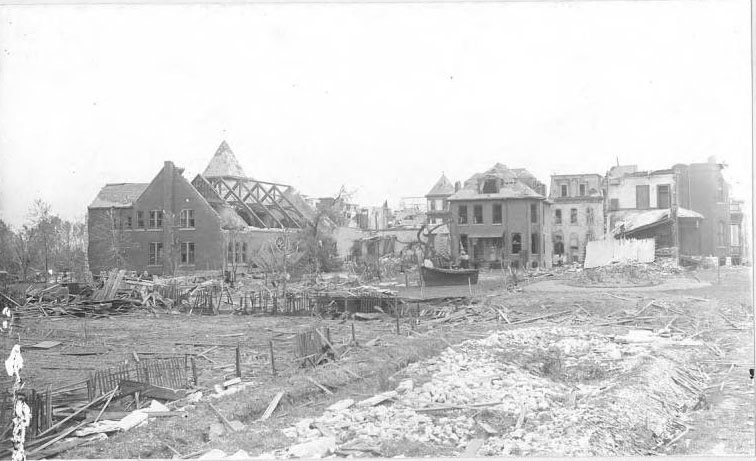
{"x":186,"y":218}
{"x":662,"y":196}
{"x":496,"y":209}
{"x":491,"y":186}
{"x":563,"y":190}
{"x":573,"y":215}
{"x":140,"y":219}
{"x":516,"y":242}
{"x":534,"y":243}
{"x":155,"y":253}
{"x":582,"y":189}
{"x":477,"y":214}
{"x":642,"y":201}
{"x":156,"y":219}
{"x":589,"y":217}
{"x":533,"y":213}
{"x":462,"y":210}
{"x":187,"y":252}
{"x":558,"y":216}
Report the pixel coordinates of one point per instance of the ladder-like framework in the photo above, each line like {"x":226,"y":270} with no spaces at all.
{"x":261,"y":204}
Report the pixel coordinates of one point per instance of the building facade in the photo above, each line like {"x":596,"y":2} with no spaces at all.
{"x":219,"y":221}
{"x":577,"y":214}
{"x":438,"y":211}
{"x":500,"y":221}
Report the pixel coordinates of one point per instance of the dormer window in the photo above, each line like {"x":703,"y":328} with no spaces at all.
{"x":491,"y":186}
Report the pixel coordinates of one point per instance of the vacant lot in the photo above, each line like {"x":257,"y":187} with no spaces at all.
{"x":566,"y":360}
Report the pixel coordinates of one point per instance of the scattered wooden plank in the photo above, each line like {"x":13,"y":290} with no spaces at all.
{"x":228,"y":424}
{"x":320,"y":386}
{"x":150,"y":391}
{"x":272,"y":406}
{"x":472,"y":448}
{"x":555,"y":314}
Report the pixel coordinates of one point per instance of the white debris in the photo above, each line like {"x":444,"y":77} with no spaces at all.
{"x":317,"y":448}
{"x":341,"y":405}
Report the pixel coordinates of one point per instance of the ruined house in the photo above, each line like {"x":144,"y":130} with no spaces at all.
{"x":221,"y":220}
{"x":501,"y":218}
{"x":647,"y":204}
{"x":438,"y":211}
{"x":577,"y":214}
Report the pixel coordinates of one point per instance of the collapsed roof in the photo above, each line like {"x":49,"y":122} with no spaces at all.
{"x":637,"y":221}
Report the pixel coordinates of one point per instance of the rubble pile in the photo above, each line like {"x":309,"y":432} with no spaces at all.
{"x":626,"y":273}
{"x":523,"y":392}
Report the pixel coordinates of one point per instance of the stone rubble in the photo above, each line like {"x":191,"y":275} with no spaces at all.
{"x":526,"y":392}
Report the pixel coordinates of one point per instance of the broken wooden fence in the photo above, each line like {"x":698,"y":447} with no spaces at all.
{"x":263,"y":302}
{"x":40,"y":405}
{"x":169,"y":373}
{"x":310,"y":347}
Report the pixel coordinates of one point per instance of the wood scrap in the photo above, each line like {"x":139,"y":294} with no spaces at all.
{"x":320,"y":386}
{"x":272,"y":406}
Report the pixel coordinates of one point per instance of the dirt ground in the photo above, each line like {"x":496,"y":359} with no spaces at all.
{"x":718,"y":313}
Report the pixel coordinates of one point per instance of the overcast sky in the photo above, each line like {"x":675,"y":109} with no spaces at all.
{"x":379,"y":97}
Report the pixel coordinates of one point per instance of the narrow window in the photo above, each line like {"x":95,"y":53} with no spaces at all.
{"x":186,"y":218}
{"x":462,"y":214}
{"x":187,"y":253}
{"x":244,"y":253}
{"x":478,"y":214}
{"x":558,"y":217}
{"x":516,"y":242}
{"x":573,"y":216}
{"x":614,"y":204}
{"x":662,"y":196}
{"x":534,"y":243}
{"x":155,"y":253}
{"x":432,"y":204}
{"x":128,"y":221}
{"x":230,"y":253}
{"x":589,"y":216}
{"x":497,"y":213}
{"x":533,"y":213}
{"x":721,"y":234}
{"x":564,"y":190}
{"x":140,"y":219}
{"x":582,"y":190}
{"x":641,"y":197}
{"x":156,"y":219}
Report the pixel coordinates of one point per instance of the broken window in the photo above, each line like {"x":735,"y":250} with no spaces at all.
{"x":128,"y":222}
{"x":155,"y":253}
{"x":582,"y":190}
{"x":558,"y":245}
{"x":432,"y":204}
{"x":558,"y":217}
{"x":573,"y":216}
{"x":238,"y":252}
{"x":140,"y":219}
{"x":533,"y":213}
{"x":462,"y":214}
{"x":516,"y":242}
{"x":563,"y":190}
{"x":641,"y":197}
{"x":186,"y":218}
{"x":497,"y":213}
{"x":156,"y":219}
{"x":662,"y":196}
{"x":534,"y":243}
{"x":463,"y":242}
{"x":478,"y":214}
{"x":614,"y":204}
{"x":491,"y":186}
{"x":187,"y":253}
{"x":589,"y":219}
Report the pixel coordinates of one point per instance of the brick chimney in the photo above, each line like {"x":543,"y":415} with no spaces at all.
{"x":169,"y":176}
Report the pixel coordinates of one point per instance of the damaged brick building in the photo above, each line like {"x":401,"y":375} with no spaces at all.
{"x":501,"y":218}
{"x":577,"y":214}
{"x":218,"y":221}
{"x":685,"y":207}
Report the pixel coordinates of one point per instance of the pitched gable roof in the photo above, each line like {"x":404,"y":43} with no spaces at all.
{"x":224,"y":164}
{"x":442,"y":187}
{"x":121,"y":195}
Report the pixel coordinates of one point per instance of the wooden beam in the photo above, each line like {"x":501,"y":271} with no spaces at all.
{"x":231,"y":192}
{"x":249,"y":194}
